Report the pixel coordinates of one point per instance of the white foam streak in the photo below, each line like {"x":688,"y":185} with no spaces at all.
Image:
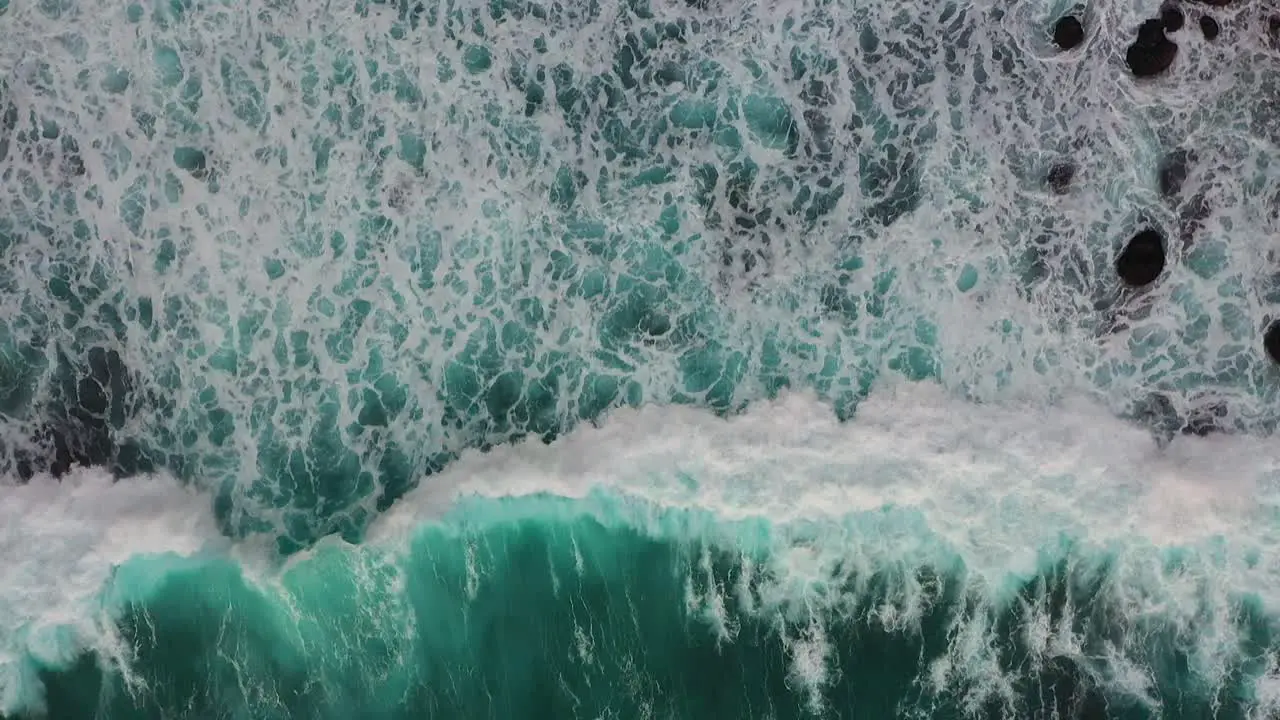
{"x":996,"y":481}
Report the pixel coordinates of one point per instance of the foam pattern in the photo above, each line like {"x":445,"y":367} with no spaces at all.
{"x":352,"y":308}
{"x":323,"y":248}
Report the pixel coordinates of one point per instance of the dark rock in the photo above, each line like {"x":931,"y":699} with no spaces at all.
{"x":1142,"y":259}
{"x":1068,"y":32}
{"x":1172,"y":18}
{"x":1173,"y":171}
{"x":1273,"y":30}
{"x":1152,"y":53}
{"x":1060,"y":176}
{"x":1209,"y":27}
{"x":1150,"y":32}
{"x":1215,"y":3}
{"x":1271,"y":341}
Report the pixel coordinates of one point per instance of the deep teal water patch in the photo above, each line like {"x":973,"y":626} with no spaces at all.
{"x":543,"y":607}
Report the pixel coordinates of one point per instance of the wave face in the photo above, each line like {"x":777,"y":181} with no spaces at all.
{"x":781,"y":564}
{"x":659,"y":358}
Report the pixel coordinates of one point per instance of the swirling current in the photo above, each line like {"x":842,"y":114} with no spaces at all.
{"x":672,"y":359}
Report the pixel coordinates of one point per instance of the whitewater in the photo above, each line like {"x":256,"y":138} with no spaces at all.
{"x":644,"y":359}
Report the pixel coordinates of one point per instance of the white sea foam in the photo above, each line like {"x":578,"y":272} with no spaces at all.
{"x":233,"y":280}
{"x":996,"y":480}
{"x":60,"y":543}
{"x":253,"y":272}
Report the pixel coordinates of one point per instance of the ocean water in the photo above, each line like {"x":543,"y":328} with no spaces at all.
{"x":646,"y":359}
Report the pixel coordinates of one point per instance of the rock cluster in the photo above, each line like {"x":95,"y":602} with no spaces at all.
{"x":1151,"y":53}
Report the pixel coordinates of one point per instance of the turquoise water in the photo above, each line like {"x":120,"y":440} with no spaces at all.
{"x":649,"y":359}
{"x":551,"y":608}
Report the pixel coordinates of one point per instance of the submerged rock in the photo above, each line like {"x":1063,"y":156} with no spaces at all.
{"x":1172,"y":18}
{"x":1157,"y":412}
{"x":1206,"y":420}
{"x":1060,"y":176}
{"x":1152,"y":53}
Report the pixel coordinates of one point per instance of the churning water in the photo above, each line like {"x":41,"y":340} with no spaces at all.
{"x":646,"y":359}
